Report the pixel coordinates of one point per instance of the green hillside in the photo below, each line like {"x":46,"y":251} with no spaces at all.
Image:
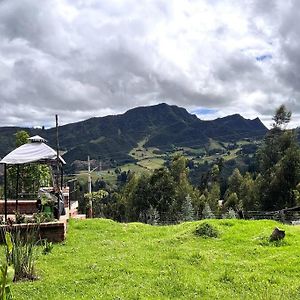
{"x":162,"y":126}
{"x":102,"y":259}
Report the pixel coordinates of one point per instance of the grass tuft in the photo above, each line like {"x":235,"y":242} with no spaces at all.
{"x":206,"y":230}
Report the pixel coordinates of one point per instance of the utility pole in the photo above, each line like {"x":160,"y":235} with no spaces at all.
{"x":89,"y":174}
{"x":57,"y":168}
{"x":90,"y":210}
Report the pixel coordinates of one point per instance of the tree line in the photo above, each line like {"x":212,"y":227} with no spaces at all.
{"x":167,"y":195}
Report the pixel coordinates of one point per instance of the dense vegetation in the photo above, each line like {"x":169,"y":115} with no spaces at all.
{"x":102,"y":259}
{"x":167,"y":195}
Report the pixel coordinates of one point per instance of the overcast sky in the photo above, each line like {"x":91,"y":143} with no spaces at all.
{"x":85,"y":58}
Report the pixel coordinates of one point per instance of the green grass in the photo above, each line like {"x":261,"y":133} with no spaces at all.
{"x":142,"y":152}
{"x":133,"y":167}
{"x":102,"y":259}
{"x":151,"y":163}
{"x":213,"y":144}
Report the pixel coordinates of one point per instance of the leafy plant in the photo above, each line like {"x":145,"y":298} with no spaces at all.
{"x":42,"y":217}
{"x":22,"y":255}
{"x":7,"y":272}
{"x":47,"y":247}
{"x":20,"y":218}
{"x":206,"y":230}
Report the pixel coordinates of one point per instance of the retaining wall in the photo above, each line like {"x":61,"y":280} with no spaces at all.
{"x":53,"y":231}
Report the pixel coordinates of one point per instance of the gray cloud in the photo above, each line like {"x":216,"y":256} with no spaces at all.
{"x":91,"y":58}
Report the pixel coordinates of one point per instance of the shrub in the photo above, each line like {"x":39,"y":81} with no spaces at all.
{"x":22,"y":256}
{"x":42,"y":217}
{"x":47,"y":247}
{"x":20,"y":218}
{"x":7,"y":272}
{"x":265,"y":241}
{"x":152,"y":215}
{"x":206,"y":230}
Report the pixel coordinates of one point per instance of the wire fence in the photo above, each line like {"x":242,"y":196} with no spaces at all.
{"x":281,"y":216}
{"x":287,"y":217}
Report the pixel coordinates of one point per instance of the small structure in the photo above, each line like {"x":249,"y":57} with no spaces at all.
{"x":35,"y":151}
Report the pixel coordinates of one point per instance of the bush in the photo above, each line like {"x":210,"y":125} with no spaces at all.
{"x":42,"y":217}
{"x":206,"y":230}
{"x":47,"y":247}
{"x":20,"y":218}
{"x":7,"y":272}
{"x":22,"y":256}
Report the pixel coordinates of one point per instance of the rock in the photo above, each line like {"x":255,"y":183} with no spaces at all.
{"x":277,"y":234}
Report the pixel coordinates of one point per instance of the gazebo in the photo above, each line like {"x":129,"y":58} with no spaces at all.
{"x":35,"y":151}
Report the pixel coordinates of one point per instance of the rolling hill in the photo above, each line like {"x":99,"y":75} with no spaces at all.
{"x":161,"y":126}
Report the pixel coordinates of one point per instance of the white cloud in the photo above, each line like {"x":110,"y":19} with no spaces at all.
{"x":89,"y":58}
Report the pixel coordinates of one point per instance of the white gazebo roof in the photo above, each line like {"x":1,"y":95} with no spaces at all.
{"x":36,"y":139}
{"x":34,"y":151}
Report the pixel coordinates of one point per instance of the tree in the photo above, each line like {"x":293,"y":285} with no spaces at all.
{"x":21,"y":138}
{"x":234,"y":182}
{"x":198,"y":205}
{"x":215,"y":173}
{"x":187,"y":210}
{"x":248,"y":193}
{"x":232,"y":201}
{"x":282,"y":117}
{"x":96,"y":198}
{"x":214,"y":196}
{"x":279,"y":162}
{"x":207,"y":213}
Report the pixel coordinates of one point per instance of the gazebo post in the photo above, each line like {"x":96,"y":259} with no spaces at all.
{"x":17,"y":187}
{"x":61,"y":176}
{"x":5,"y":192}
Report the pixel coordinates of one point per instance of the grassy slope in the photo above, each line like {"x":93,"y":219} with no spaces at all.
{"x":102,"y":259}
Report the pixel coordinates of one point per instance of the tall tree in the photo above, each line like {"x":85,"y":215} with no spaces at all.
{"x":282,"y":117}
{"x":279,"y":161}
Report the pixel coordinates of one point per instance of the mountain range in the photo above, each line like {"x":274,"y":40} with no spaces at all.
{"x":161,"y":126}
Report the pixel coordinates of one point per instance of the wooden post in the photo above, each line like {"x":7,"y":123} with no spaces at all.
{"x":61,"y":176}
{"x":5,"y":192}
{"x":90,"y":210}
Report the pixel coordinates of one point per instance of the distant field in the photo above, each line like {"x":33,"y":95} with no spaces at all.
{"x":102,"y":259}
{"x":151,"y":163}
{"x":149,"y":159}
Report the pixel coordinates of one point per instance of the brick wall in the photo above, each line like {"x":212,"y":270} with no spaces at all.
{"x":54,"y":231}
{"x":24,"y":207}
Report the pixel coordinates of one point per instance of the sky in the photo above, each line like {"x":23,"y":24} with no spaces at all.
{"x":87,"y":58}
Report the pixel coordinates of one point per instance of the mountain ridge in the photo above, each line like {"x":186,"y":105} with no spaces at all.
{"x":115,"y":135}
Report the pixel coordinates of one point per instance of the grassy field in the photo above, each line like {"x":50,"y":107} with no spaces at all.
{"x":151,"y":163}
{"x":102,"y":259}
